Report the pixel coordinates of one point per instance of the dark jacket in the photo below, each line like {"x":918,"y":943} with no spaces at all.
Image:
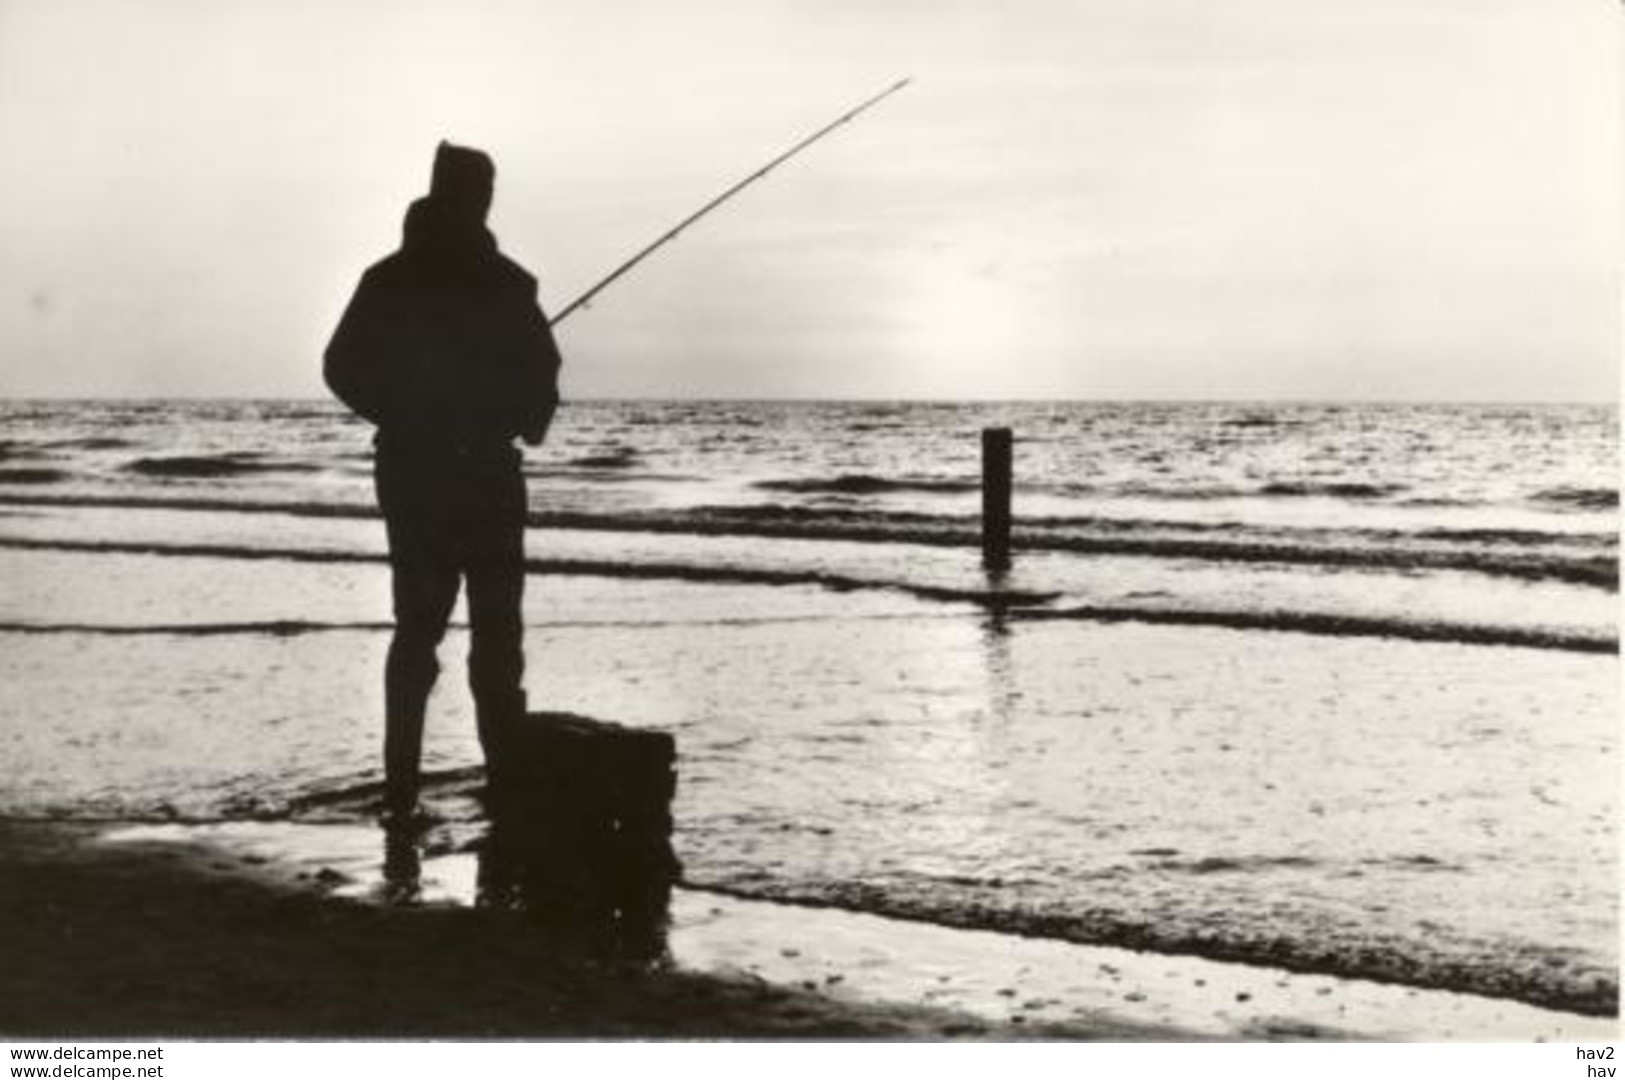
{"x":444,"y":342}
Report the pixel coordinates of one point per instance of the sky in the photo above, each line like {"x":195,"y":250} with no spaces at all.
{"x":1093,"y":199}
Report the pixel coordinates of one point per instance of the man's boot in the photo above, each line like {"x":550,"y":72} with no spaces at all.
{"x":498,"y":717}
{"x":406,"y":697}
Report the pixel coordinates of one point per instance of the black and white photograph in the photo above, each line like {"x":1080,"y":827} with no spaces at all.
{"x":1059,"y":521}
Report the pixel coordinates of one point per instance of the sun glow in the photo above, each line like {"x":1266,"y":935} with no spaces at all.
{"x":968,"y":325}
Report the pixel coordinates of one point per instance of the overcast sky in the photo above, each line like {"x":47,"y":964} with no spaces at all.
{"x":1077,"y":198}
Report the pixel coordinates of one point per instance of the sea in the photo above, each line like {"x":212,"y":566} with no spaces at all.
{"x":1327,"y":686}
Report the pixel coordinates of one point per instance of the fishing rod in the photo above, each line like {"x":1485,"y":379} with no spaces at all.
{"x":672,"y":234}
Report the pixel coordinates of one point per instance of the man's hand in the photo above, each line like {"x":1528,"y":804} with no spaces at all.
{"x":534,"y":427}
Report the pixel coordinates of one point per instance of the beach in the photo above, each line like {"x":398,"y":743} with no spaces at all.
{"x":163,"y":941}
{"x":249,"y":932}
{"x":1377,"y":750}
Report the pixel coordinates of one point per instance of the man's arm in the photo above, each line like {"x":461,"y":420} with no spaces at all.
{"x":540,"y":376}
{"x":352,"y":365}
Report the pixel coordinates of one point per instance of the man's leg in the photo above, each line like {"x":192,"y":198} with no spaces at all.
{"x":495,"y":565}
{"x":425,"y":589}
{"x":424,"y":583}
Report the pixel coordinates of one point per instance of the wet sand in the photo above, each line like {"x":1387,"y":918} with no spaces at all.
{"x":158,"y":939}
{"x":287,"y":930}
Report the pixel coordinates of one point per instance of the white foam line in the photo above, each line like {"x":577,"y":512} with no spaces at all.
{"x":1000,"y":977}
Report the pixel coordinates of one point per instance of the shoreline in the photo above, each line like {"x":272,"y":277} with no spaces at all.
{"x":176,"y":940}
{"x":282,"y":930}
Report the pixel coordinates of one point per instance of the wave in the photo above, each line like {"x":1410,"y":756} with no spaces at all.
{"x":1588,"y":561}
{"x":621,"y":457}
{"x":1281,"y":489}
{"x":1307,"y":489}
{"x":33,"y":476}
{"x":271,"y":628}
{"x":608,"y":568}
{"x":1220,"y":864}
{"x":863,"y":484}
{"x":94,"y":442}
{"x":1519,"y":537}
{"x":1257,"y":420}
{"x":209,"y":466}
{"x":1383,"y":550}
{"x":275,"y":411}
{"x":1328,"y":625}
{"x":1438,"y":501}
{"x":1582,"y":498}
{"x":354,"y":797}
{"x":354,"y":511}
{"x":351,"y":798}
{"x":1015,"y":604}
{"x":1138,"y":490}
{"x":602,"y":474}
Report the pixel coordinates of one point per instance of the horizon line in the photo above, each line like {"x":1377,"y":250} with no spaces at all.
{"x":853,"y":400}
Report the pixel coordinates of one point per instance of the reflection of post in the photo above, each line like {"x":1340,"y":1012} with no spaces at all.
{"x":1002,"y":694}
{"x":996,"y":498}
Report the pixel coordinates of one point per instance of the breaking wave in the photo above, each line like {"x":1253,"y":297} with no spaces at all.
{"x":1582,"y":498}
{"x":210,"y":466}
{"x":1011,"y":603}
{"x":1523,"y":554}
{"x":1304,"y":489}
{"x":621,"y":457}
{"x":863,"y":484}
{"x":32,"y":476}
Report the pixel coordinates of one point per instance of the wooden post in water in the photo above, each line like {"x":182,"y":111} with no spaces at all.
{"x":996,"y":444}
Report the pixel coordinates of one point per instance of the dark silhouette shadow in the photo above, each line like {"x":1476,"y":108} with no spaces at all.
{"x":445,"y":350}
{"x":580,"y":833}
{"x":577,"y":838}
{"x":589,"y":897}
{"x":403,"y":867}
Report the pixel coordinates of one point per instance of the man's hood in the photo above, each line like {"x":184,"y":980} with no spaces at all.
{"x":430,"y":229}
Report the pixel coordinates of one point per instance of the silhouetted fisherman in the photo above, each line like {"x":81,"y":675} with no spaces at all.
{"x":445,"y":349}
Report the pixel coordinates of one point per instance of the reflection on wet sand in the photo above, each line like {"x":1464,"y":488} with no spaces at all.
{"x":603,"y":908}
{"x":576,"y":836}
